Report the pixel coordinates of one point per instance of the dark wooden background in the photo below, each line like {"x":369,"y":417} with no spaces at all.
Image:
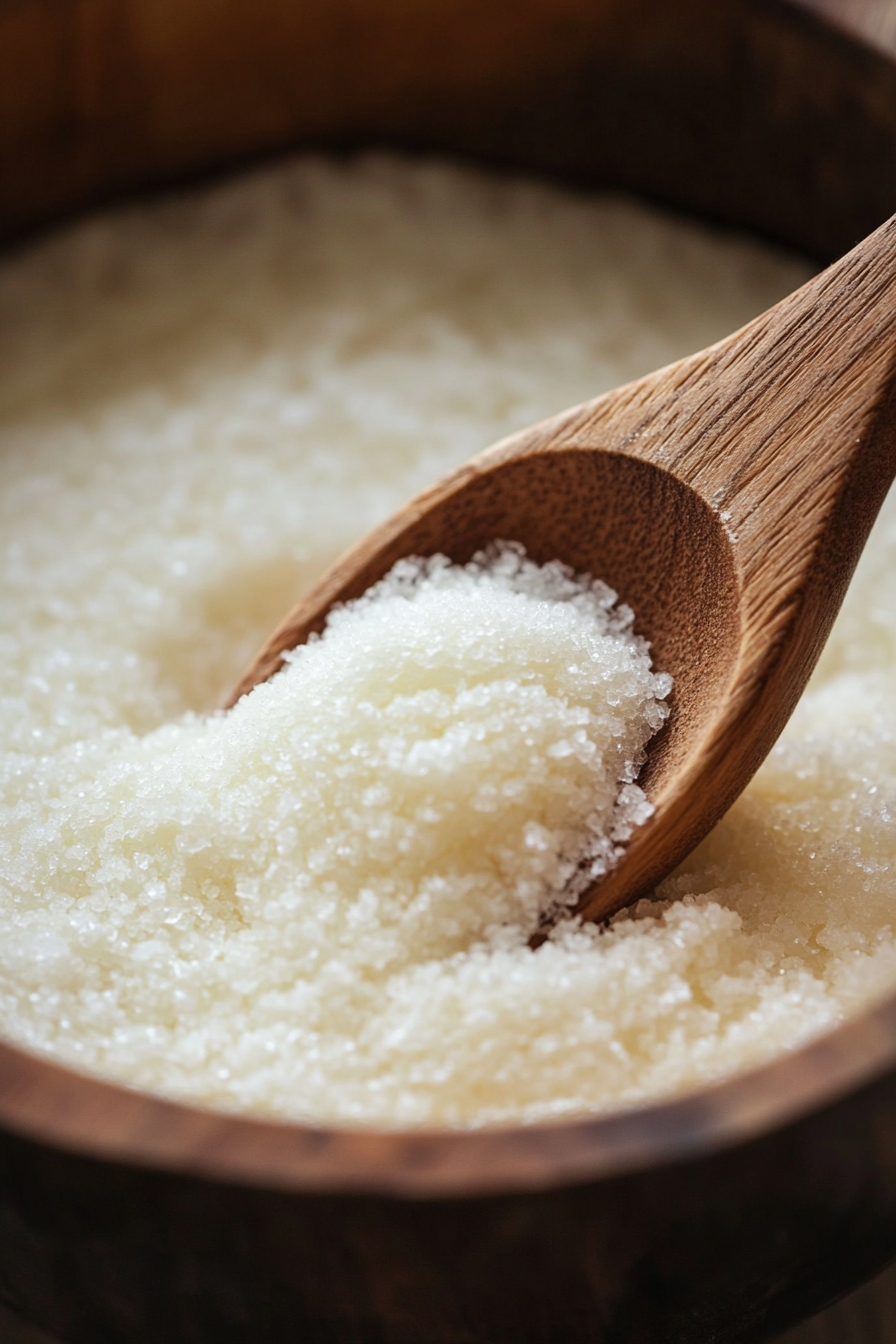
{"x":868,"y":1316}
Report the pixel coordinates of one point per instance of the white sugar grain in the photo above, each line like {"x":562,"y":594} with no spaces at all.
{"x":202,"y":400}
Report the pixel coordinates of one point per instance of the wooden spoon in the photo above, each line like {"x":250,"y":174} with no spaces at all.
{"x":726,"y":498}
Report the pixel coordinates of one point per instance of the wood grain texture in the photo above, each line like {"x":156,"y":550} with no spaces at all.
{"x":746,"y":111}
{"x":719,"y":1246}
{"x":726,"y":499}
{"x":724,"y":1216}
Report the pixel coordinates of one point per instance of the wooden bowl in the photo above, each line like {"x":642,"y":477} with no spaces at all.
{"x":723,"y":1216}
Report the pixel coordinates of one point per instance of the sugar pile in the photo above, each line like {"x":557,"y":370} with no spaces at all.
{"x":453,"y":758}
{"x":201,"y":401}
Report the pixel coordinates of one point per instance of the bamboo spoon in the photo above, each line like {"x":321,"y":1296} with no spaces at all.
{"x":726,"y":498}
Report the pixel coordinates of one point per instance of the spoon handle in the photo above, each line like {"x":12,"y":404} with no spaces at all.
{"x":787,"y":429}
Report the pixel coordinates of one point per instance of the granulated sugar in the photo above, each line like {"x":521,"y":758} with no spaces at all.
{"x":201,"y":402}
{"x":453,"y":758}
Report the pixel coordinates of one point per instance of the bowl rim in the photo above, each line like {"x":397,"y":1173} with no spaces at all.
{"x":55,"y":1106}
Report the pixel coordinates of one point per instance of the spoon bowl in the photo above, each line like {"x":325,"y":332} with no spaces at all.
{"x":726,"y":498}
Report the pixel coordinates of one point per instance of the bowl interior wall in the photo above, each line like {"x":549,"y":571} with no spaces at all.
{"x":748,"y":111}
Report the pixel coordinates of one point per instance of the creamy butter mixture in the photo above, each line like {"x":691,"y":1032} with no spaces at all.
{"x":318,"y":906}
